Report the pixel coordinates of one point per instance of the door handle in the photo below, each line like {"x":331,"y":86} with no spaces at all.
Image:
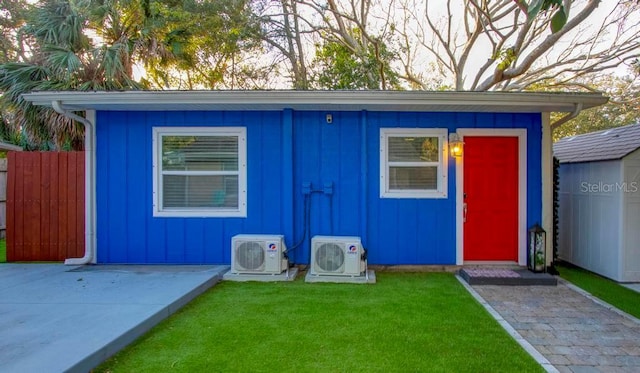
{"x":464,"y":212}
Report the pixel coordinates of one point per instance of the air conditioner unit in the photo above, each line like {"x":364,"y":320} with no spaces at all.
{"x":258,"y":254}
{"x":337,"y":256}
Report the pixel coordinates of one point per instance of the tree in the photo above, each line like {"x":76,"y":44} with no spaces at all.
{"x":364,"y":35}
{"x":622,"y":109}
{"x":337,"y":67}
{"x":557,"y":7}
{"x":62,"y":57}
{"x":208,"y":44}
{"x":283,"y":29}
{"x":12,"y":18}
{"x":519,"y":48}
{"x":337,"y":29}
{"x":458,"y":44}
{"x":96,"y":44}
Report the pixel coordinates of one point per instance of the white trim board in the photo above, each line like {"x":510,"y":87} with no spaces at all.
{"x":521,"y":134}
{"x":547,"y":184}
{"x":442,"y":101}
{"x":90,"y":190}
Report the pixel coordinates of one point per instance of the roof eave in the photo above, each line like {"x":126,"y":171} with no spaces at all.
{"x":319,"y":100}
{"x":590,"y":160}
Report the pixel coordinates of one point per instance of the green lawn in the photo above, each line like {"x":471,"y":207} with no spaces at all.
{"x":603,"y":288}
{"x":407,"y":322}
{"x":3,"y":250}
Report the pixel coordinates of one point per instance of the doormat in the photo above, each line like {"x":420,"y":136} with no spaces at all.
{"x":511,"y":277}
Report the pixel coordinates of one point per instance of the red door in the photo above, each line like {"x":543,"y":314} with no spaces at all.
{"x":491,"y":198}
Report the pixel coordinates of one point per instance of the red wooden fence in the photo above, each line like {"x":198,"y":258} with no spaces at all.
{"x":45,"y":206}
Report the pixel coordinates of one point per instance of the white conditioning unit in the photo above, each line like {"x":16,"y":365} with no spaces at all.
{"x":337,"y":256}
{"x":258,"y":254}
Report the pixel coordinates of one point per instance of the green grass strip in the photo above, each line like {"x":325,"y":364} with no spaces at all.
{"x":3,"y":251}
{"x":609,"y":291}
{"x":407,"y":322}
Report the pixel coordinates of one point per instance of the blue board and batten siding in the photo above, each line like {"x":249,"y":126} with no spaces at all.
{"x":284,"y":150}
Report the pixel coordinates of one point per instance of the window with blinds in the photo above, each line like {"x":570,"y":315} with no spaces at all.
{"x":413,"y":163}
{"x":199,"y":171}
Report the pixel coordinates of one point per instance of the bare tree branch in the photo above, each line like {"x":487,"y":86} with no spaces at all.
{"x":504,"y":74}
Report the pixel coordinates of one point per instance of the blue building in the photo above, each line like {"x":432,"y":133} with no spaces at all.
{"x":173,"y":175}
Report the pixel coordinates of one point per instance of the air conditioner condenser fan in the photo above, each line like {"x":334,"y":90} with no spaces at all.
{"x":330,"y":257}
{"x":250,"y":255}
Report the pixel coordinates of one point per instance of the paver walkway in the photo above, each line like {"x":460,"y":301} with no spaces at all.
{"x":573,"y":332}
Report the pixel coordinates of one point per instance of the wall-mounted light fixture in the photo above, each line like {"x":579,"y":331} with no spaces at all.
{"x":455,"y":145}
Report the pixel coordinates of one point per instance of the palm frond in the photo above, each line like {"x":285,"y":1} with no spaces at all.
{"x":62,"y":61}
{"x":57,"y":22}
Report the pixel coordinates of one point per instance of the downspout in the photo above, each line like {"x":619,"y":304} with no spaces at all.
{"x":364,"y":175}
{"x":576,"y":110}
{"x":89,"y":128}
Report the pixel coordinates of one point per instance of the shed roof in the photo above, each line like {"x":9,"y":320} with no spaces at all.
{"x":459,"y":101}
{"x":7,"y":146}
{"x":604,"y":145}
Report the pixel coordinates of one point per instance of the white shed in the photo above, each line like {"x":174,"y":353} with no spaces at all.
{"x":599,"y":197}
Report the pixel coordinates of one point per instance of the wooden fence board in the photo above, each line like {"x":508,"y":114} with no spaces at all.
{"x":46,"y":228}
{"x":80,"y":206}
{"x":12,"y":218}
{"x":32,"y":205}
{"x":63,"y":169}
{"x":45,"y":206}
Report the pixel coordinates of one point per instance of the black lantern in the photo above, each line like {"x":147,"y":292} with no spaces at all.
{"x":455,"y":145}
{"x":537,"y":253}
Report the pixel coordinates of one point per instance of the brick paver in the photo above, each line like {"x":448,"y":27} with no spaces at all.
{"x":572,"y":331}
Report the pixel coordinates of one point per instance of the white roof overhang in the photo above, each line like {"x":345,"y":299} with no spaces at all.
{"x":514,"y":102}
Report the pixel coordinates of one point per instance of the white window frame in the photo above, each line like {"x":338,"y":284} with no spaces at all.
{"x":160,"y":211}
{"x":442,"y":164}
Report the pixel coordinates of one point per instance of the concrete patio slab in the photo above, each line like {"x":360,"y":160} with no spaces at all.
{"x":288,"y":275}
{"x":633,"y":286}
{"x":368,"y":278}
{"x":56,"y":318}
